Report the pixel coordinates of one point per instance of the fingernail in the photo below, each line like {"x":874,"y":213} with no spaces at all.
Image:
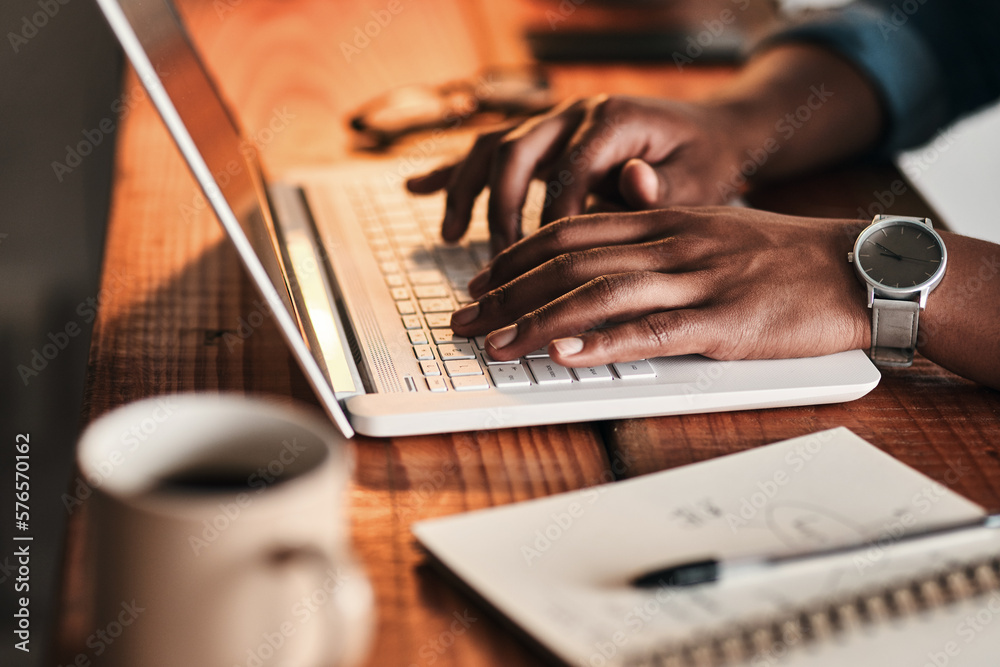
{"x":502,"y":337}
{"x":466,"y":314}
{"x":567,"y":346}
{"x":479,"y":281}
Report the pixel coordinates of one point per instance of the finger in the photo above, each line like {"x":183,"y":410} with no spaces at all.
{"x":468,"y":179}
{"x":552,"y":280}
{"x":676,"y":181}
{"x":600,"y":146}
{"x":520,"y":156}
{"x":662,"y":334}
{"x":432,"y":181}
{"x":640,"y":185}
{"x":574,"y":234}
{"x":608,"y":298}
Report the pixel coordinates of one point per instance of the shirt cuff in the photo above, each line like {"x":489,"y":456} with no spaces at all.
{"x":896,"y":59}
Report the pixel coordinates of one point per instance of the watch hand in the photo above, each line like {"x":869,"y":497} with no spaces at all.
{"x":902,"y":257}
{"x":888,"y":253}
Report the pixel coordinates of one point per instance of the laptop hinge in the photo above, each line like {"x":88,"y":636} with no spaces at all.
{"x":312,"y":295}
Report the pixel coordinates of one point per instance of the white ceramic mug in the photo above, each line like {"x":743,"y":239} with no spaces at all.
{"x":220,"y":536}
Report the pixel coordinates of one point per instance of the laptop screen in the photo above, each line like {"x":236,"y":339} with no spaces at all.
{"x":224,"y":162}
{"x":229,"y":156}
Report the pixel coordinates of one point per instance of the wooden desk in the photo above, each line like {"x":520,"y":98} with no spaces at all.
{"x":173,"y":288}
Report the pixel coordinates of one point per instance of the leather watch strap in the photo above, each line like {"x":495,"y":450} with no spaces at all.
{"x":894,"y":331}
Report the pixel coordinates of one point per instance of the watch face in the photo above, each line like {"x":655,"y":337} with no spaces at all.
{"x":900,"y":255}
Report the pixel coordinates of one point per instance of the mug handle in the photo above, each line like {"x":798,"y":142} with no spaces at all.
{"x":349,"y":607}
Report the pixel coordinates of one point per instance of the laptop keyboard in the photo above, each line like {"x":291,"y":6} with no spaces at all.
{"x":427,"y":279}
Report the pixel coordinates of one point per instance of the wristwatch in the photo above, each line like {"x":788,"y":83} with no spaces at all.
{"x":901,"y":260}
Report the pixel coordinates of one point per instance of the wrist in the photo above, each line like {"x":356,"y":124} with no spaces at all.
{"x":859,"y":323}
{"x":749,"y":143}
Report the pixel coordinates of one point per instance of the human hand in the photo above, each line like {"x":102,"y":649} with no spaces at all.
{"x":644,"y":152}
{"x":727,"y":283}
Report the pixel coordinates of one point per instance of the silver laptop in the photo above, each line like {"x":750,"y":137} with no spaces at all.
{"x":362,"y":288}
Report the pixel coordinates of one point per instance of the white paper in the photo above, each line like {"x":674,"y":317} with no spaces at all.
{"x":559,"y":566}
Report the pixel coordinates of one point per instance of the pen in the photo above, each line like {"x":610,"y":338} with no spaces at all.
{"x":694,"y":573}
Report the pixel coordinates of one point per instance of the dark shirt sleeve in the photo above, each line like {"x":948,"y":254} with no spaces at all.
{"x":931,"y":61}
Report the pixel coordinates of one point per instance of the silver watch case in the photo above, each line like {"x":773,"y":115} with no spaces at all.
{"x":877,"y":290}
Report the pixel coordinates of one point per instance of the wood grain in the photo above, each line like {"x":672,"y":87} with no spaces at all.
{"x":177,"y":313}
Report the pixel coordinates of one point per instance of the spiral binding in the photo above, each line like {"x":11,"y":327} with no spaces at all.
{"x":739,"y":644}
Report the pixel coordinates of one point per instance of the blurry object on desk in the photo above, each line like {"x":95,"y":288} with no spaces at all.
{"x":680,"y":31}
{"x":494,"y":95}
{"x":219,"y":536}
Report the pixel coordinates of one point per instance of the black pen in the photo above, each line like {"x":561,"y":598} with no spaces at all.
{"x":694,"y":573}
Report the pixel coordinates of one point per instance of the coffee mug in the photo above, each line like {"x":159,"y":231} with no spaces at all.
{"x":220,"y":536}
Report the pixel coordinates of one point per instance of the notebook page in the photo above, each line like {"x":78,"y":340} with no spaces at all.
{"x":559,"y":567}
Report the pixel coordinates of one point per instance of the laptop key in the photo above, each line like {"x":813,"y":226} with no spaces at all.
{"x":430,"y":368}
{"x":442,"y":336}
{"x":406,"y":307}
{"x":425,"y":277}
{"x":547,"y":371}
{"x":423,"y":352}
{"x":481,"y":342}
{"x":540,"y":353}
{"x":490,"y":361}
{"x":437,"y":384}
{"x":412,"y":322}
{"x":593,"y":374}
{"x":400,"y":293}
{"x":437,"y":305}
{"x":438,"y":320}
{"x":458,"y":367}
{"x":394,"y":280}
{"x":456,"y":351}
{"x":417,"y":337}
{"x":430,"y":291}
{"x":634,"y":370}
{"x":470,"y":383}
{"x":509,"y":375}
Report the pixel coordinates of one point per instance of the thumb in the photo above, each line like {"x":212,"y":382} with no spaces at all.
{"x":641,"y":186}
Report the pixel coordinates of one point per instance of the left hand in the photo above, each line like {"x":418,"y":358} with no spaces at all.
{"x":726,"y":283}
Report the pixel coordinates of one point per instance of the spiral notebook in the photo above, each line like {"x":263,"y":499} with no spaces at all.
{"x":559,"y":567}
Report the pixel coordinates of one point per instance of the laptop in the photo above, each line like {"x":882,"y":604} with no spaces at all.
{"x":362,"y":288}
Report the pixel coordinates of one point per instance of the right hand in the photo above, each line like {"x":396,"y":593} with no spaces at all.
{"x":646,"y":153}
